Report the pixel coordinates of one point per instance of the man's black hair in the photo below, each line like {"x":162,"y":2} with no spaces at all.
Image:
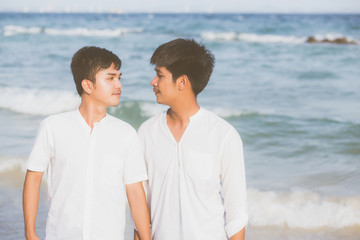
{"x":88,"y":61}
{"x":186,"y":57}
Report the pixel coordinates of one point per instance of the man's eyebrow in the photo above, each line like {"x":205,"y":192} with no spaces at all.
{"x":157,"y":70}
{"x":114,"y":74}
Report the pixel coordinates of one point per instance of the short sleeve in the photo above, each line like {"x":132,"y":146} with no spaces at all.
{"x":234,"y":184}
{"x":141,"y":135}
{"x":135,"y":168}
{"x":41,"y":152}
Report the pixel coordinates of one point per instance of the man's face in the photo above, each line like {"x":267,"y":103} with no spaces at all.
{"x":165,"y":88}
{"x":107,"y":87}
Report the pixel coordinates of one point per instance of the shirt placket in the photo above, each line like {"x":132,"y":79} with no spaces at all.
{"x":91,"y":154}
{"x":182,"y":189}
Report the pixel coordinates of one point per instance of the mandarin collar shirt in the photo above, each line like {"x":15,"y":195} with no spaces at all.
{"x":196,"y":188}
{"x":86,"y":174}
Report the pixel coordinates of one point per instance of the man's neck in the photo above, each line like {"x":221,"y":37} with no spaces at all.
{"x":91,"y":113}
{"x":180,"y":113}
{"x":178,"y":117}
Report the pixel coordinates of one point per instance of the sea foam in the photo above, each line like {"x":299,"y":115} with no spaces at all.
{"x":37,"y":101}
{"x":302,"y":209}
{"x":11,"y":30}
{"x":294,"y":209}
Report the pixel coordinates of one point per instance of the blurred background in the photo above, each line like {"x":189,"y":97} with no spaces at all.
{"x":287,"y":77}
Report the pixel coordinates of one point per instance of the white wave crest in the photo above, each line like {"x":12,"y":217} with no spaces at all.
{"x":226,"y":113}
{"x":300,"y":209}
{"x":11,"y":30}
{"x":250,"y":37}
{"x":36,"y":101}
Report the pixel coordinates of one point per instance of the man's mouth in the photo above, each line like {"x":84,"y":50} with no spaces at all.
{"x":118,"y":93}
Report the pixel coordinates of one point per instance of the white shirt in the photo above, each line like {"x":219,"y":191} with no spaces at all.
{"x":196,"y":187}
{"x":86,"y":174}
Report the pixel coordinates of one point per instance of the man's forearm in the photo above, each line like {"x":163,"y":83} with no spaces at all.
{"x":31,"y":202}
{"x":139,"y":209}
{"x":239,"y":236}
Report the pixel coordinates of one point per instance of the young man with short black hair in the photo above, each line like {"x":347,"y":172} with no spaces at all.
{"x":196,"y":186}
{"x":92,"y":160}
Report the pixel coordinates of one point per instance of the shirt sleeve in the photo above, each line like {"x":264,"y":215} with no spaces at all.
{"x":234,"y":184}
{"x":135,"y":168}
{"x":142,"y":145}
{"x":41,"y":152}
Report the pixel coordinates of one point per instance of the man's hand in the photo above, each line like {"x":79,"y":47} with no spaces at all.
{"x":139,"y":209}
{"x":31,"y":202}
{"x":32,"y":237}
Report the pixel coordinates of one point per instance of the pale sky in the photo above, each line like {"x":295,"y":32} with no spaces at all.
{"x":241,"y":6}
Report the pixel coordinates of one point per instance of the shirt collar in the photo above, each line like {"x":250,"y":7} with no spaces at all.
{"x":197,"y":114}
{"x":84,"y":123}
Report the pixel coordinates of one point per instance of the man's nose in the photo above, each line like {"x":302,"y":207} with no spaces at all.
{"x":154,"y":82}
{"x":118,"y":84}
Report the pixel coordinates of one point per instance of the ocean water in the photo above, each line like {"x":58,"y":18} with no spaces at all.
{"x":296,"y":105}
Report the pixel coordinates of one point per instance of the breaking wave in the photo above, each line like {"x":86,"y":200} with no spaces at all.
{"x":37,"y":101}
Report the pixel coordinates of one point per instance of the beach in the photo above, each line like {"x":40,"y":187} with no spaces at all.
{"x":294,"y":103}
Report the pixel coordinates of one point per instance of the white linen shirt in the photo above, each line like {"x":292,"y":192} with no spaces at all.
{"x":86,"y":174}
{"x":196,"y":188}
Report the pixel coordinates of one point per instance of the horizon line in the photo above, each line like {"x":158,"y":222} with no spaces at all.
{"x":176,"y":12}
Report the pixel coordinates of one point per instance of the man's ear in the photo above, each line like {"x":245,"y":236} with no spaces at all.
{"x":87,"y":85}
{"x":183,"y":82}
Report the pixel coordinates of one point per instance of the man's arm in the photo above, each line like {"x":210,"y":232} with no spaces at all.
{"x":234,"y":186}
{"x":139,"y":210}
{"x":31,"y":202}
{"x":239,"y":236}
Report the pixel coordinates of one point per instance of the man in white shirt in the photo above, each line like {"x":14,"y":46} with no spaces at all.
{"x":92,"y":160}
{"x":196,"y":186}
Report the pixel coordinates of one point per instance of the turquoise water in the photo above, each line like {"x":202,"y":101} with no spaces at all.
{"x":295,"y":104}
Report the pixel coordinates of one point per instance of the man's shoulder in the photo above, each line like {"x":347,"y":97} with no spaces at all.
{"x":151,"y":122}
{"x":215,"y":119}
{"x":218,"y":123}
{"x":60,"y":118}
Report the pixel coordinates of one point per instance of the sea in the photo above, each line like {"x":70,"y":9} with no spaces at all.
{"x":295,"y":104}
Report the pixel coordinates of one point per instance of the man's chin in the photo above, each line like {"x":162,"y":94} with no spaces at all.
{"x":158,"y":100}
{"x":161,"y":101}
{"x":114,"y":104}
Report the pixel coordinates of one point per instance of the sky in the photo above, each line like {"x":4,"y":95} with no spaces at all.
{"x":241,"y":6}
